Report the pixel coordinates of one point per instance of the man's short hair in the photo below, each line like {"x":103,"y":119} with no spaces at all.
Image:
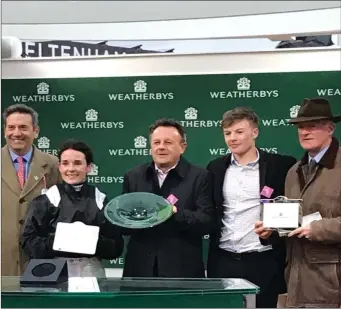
{"x":21,"y":109}
{"x":78,"y":146}
{"x":165,"y":122}
{"x":237,"y":114}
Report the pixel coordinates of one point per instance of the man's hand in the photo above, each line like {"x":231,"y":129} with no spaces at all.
{"x":175,"y":210}
{"x":304,"y":231}
{"x":261,"y":231}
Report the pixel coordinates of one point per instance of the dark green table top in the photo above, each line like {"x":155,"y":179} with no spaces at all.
{"x":134,"y":287}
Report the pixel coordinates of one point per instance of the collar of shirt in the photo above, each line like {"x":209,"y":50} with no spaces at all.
{"x":250,"y":164}
{"x":159,"y":171}
{"x":27,"y":156}
{"x":319,"y":156}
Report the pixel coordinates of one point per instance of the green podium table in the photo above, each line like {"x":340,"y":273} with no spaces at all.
{"x":133,"y":293}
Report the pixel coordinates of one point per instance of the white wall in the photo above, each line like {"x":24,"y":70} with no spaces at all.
{"x":244,"y":33}
{"x":53,"y":12}
{"x":275,"y":26}
{"x":259,"y":32}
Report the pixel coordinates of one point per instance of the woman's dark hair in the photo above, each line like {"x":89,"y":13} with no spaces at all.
{"x":78,"y":146}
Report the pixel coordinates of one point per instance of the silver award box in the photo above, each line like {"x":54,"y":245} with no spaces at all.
{"x":281,"y":214}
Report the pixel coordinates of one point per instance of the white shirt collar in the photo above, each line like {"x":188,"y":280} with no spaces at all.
{"x":319,"y":156}
{"x":251,"y":164}
{"x":158,"y":170}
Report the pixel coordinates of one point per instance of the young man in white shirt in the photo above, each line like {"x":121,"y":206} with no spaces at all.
{"x":240,"y":180}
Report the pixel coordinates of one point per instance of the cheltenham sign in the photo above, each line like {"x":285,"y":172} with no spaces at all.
{"x":74,"y":48}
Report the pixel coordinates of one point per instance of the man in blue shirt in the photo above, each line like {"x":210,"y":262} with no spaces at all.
{"x":26,"y":173}
{"x":26,"y":160}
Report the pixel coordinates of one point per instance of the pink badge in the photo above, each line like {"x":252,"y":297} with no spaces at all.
{"x":172,"y":199}
{"x":267,"y":191}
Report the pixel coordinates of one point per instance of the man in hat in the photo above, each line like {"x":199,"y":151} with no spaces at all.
{"x":313,"y":272}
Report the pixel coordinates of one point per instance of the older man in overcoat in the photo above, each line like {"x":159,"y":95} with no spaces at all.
{"x":313,"y":271}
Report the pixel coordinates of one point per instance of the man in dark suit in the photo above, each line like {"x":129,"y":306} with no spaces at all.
{"x":173,"y":248}
{"x":240,"y":180}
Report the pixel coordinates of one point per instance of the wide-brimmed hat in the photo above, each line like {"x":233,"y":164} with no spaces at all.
{"x":315,"y":109}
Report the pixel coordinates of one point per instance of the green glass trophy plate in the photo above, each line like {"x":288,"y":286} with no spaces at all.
{"x":138,"y":210}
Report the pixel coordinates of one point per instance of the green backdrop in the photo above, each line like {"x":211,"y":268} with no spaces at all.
{"x":112,"y":114}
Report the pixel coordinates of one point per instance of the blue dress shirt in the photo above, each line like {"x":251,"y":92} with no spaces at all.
{"x":319,"y":156}
{"x":27,"y":161}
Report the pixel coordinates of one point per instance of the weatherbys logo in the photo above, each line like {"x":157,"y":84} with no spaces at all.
{"x":328,"y":92}
{"x":244,"y":92}
{"x":140,"y":148}
{"x":44,"y":145}
{"x":191,"y":116}
{"x":224,"y":151}
{"x":91,"y":122}
{"x":94,"y":177}
{"x":43,"y":95}
{"x":281,"y":122}
{"x":140,"y":94}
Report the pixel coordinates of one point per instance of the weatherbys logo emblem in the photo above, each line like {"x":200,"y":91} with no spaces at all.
{"x":94,"y":177}
{"x":293,"y":111}
{"x":141,"y":94}
{"x":91,"y":122}
{"x":244,"y":92}
{"x":43,"y":95}
{"x":140,"y":142}
{"x":191,"y":116}
{"x":43,"y":144}
{"x":140,"y":148}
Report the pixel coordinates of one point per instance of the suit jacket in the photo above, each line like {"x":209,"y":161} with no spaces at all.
{"x":15,"y":201}
{"x":176,"y":244}
{"x":273,"y":169}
